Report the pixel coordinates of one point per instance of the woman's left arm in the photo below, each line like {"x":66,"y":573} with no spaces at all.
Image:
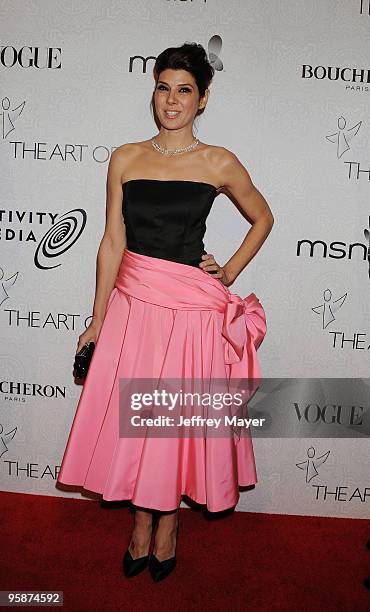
{"x":235,"y":180}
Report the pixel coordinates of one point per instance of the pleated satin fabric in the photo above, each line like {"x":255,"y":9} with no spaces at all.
{"x":171,"y":320}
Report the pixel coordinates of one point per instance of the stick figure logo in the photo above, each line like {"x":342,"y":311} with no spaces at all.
{"x":311,"y":464}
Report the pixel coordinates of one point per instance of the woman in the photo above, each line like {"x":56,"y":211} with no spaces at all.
{"x":164,"y":309}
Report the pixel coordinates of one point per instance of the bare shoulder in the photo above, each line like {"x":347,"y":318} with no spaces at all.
{"x":221,"y":158}
{"x":211,"y":152}
{"x":128,"y":149}
{"x":133,"y":146}
{"x":224,"y":157}
{"x":231,"y":170}
{"x":124,"y":151}
{"x":124,"y":155}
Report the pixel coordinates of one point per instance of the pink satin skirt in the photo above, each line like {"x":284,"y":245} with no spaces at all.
{"x":170,"y":320}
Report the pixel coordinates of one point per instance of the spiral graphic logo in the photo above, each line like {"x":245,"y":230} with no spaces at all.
{"x":59,"y":238}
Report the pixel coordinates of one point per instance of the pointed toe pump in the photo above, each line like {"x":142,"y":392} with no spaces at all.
{"x":161,"y":569}
{"x":132,"y":567}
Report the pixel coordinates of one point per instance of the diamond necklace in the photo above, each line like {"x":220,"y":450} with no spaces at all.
{"x":174,"y":151}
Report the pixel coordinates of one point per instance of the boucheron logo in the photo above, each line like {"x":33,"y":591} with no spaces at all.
{"x":9,"y":116}
{"x":336,"y":73}
{"x":5,"y":439}
{"x":6,"y":284}
{"x":19,"y":391}
{"x":329,"y":307}
{"x":355,"y":80}
{"x":310,"y":465}
{"x":343,"y":136}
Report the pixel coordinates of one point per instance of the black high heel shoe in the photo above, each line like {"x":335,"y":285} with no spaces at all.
{"x":133,"y":567}
{"x":161,"y":569}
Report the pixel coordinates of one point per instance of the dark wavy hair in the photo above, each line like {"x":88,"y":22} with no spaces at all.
{"x":190,"y":56}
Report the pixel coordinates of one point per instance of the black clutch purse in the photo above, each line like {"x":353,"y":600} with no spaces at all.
{"x":83,"y":359}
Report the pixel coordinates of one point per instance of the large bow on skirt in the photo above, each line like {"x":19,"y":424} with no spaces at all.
{"x":244,"y":323}
{"x":183,"y":287}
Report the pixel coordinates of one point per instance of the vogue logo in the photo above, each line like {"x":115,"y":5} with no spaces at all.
{"x":330,"y":413}
{"x":31,"y":57}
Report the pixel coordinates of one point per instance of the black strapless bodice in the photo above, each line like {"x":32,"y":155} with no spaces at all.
{"x":167,"y":219}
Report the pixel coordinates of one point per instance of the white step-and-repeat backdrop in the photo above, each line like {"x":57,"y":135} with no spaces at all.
{"x":290,"y":97}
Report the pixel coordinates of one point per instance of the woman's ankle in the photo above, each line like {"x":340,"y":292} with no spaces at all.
{"x":141,"y":533}
{"x":165,"y":540}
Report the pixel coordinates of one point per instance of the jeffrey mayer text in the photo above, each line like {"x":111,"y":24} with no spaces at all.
{"x":194,"y":421}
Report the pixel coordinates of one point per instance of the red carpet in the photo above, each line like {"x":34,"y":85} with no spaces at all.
{"x":242,"y":561}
